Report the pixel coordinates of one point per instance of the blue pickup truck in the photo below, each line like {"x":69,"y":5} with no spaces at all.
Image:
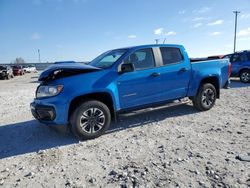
{"x":88,"y":97}
{"x":240,"y":65}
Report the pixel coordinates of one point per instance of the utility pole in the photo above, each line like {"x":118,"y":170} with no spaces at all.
{"x":39,"y":58}
{"x":235,"y":29}
{"x":157,"y":41}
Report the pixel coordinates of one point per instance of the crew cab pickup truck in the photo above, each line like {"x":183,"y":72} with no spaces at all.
{"x":240,"y":65}
{"x":88,"y":97}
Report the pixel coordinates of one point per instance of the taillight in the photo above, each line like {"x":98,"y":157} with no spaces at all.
{"x":229,"y":69}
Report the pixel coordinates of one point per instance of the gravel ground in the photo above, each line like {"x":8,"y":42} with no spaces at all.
{"x":165,"y":147}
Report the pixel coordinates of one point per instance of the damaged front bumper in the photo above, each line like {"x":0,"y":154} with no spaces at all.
{"x":50,"y":112}
{"x":43,"y":113}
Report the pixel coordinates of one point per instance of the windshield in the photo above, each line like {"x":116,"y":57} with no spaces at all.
{"x":107,"y":59}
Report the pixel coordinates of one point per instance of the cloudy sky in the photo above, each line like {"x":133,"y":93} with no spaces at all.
{"x":81,"y":29}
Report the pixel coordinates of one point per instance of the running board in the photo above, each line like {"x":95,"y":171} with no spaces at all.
{"x":155,"y":107}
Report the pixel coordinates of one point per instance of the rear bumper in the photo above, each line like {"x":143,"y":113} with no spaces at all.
{"x":16,"y":73}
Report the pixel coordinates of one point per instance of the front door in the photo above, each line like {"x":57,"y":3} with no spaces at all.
{"x":141,"y":86}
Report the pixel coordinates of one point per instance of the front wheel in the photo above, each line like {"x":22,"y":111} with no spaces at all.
{"x":205,"y":98}
{"x":90,"y":120}
{"x":245,"y":76}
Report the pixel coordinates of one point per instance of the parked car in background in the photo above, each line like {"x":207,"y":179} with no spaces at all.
{"x":87,"y":97}
{"x":6,"y":72}
{"x":32,"y":68}
{"x":240,"y":65}
{"x":26,"y":69}
{"x":18,"y":70}
{"x":29,"y":68}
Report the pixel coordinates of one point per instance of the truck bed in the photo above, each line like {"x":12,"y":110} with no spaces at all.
{"x":213,"y":68}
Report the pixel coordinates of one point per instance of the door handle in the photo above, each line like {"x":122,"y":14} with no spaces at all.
{"x":155,"y":74}
{"x":183,"y":70}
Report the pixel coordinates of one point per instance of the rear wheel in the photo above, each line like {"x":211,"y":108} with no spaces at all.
{"x":205,"y":98}
{"x":245,"y":76}
{"x":90,"y":120}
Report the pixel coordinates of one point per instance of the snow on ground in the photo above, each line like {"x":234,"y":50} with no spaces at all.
{"x":164,"y":147}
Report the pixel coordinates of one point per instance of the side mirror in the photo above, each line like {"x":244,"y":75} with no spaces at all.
{"x":127,"y":67}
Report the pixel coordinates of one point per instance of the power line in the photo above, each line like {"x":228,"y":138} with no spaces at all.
{"x":235,"y":28}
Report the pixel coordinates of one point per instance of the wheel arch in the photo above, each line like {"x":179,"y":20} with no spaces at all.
{"x":245,"y":68}
{"x":103,"y":97}
{"x":214,"y":80}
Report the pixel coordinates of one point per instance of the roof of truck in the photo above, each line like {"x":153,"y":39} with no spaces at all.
{"x":151,"y":46}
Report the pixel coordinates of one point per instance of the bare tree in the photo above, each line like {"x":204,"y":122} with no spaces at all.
{"x":19,"y":60}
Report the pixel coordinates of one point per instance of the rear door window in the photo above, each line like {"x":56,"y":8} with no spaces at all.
{"x":171,"y":55}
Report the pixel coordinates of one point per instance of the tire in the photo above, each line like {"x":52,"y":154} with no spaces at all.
{"x":205,"y":98}
{"x":90,"y":120}
{"x":245,"y":76}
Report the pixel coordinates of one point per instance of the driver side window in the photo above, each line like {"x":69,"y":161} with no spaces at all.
{"x":141,"y":59}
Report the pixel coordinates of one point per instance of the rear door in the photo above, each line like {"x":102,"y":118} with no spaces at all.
{"x":141,"y":86}
{"x":175,"y":73}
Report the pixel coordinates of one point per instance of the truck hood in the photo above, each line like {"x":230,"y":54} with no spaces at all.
{"x":58,"y":71}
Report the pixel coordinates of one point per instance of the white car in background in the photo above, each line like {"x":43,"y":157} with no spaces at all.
{"x":29,"y":68}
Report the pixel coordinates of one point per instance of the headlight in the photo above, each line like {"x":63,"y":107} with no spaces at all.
{"x":48,"y":91}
